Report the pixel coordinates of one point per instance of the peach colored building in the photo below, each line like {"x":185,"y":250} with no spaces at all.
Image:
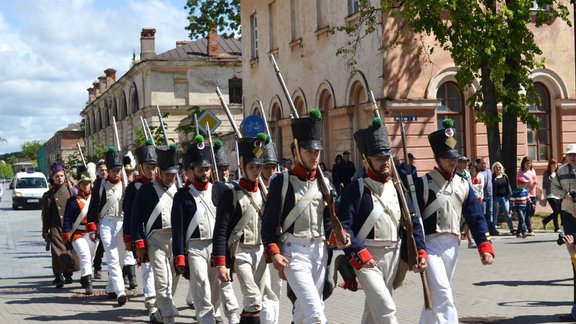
{"x":403,"y":79}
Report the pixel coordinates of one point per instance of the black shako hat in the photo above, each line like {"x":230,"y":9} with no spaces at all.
{"x":147,"y":153}
{"x":269,"y":154}
{"x":443,"y":142}
{"x":308,"y":130}
{"x":197,"y":154}
{"x":168,"y":157}
{"x":251,"y":150}
{"x":220,"y":154}
{"x":114,"y":159}
{"x":373,"y":140}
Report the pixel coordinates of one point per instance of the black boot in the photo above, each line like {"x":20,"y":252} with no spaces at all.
{"x":68,"y":278}
{"x":125,"y":275}
{"x":250,"y":318}
{"x":59,"y":281}
{"x":132,"y":283}
{"x":86,"y":282}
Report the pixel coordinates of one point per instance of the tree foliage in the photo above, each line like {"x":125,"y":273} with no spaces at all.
{"x":191,"y":127}
{"x":30,"y":149}
{"x":5,"y":170}
{"x":206,"y":15}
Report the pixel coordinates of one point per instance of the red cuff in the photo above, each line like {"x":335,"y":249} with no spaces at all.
{"x":140,"y":244}
{"x":359,"y":258}
{"x":218,"y":261}
{"x":65,"y":236}
{"x":128,"y":238}
{"x":273,"y":249}
{"x":486,"y":247}
{"x":423,"y":255}
{"x":350,"y":284}
{"x":91,"y":227}
{"x":181,"y":261}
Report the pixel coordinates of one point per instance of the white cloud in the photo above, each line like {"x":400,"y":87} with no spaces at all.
{"x":51,"y":53}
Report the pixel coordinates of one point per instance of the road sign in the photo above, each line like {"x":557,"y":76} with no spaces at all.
{"x":405,"y":118}
{"x":252,"y":125}
{"x":208,"y":117}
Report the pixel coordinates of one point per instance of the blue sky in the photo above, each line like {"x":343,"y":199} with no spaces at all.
{"x":52,"y":51}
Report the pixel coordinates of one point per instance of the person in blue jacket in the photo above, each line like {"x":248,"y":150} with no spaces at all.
{"x":444,"y":197}
{"x":370,"y":212}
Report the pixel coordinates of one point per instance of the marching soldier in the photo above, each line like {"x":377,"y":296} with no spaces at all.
{"x":105,"y":211}
{"x":152,"y":232}
{"x":74,"y":227}
{"x":370,"y":212}
{"x":295,"y":223}
{"x":64,"y":260}
{"x":237,"y":242}
{"x":443,"y":197}
{"x":193,"y":218}
{"x":147,"y":159}
{"x":222,"y":163}
{"x":101,"y":175}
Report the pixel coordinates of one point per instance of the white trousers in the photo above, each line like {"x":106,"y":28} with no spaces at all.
{"x":442,"y":254}
{"x":86,"y":250}
{"x":204,"y":282}
{"x":228,"y":299}
{"x":275,"y":280}
{"x":111,"y":236}
{"x":148,"y":286}
{"x":377,"y":283}
{"x":306,"y":274}
{"x":159,"y":246}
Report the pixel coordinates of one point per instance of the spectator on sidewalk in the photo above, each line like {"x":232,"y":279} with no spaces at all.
{"x":487,"y":202}
{"x":552,"y":200}
{"x":502,"y":193}
{"x":528,"y":172}
{"x":402,"y":170}
{"x":520,"y":201}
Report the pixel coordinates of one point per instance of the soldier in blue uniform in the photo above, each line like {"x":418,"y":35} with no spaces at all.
{"x":370,"y":212}
{"x":152,"y":232}
{"x":443,"y":197}
{"x":237,"y":239}
{"x":147,"y":159}
{"x":296,"y":223}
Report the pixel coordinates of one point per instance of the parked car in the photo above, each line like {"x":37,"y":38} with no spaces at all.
{"x":28,"y":189}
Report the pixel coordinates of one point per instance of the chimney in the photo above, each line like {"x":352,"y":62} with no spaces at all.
{"x":213,"y":45}
{"x":147,"y":50}
{"x":110,"y":76}
{"x":90,"y":94}
{"x":96,"y":86}
{"x":182,"y":43}
{"x":102,"y":81}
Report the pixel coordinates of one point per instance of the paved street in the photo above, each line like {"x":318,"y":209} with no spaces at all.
{"x":530,"y":282}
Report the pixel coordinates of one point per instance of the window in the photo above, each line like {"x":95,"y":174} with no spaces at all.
{"x":254,"y":36}
{"x":538,"y":140}
{"x":272,"y":25}
{"x":300,"y":106}
{"x":321,"y":17}
{"x":235,"y":90}
{"x":452,"y":107}
{"x":294,"y":19}
{"x":538,"y":5}
{"x":353,"y":7}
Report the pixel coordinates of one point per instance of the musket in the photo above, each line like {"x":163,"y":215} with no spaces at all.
{"x":178,"y":180}
{"x":149,"y":132}
{"x":263,"y":116}
{"x":119,"y":148}
{"x":144,"y":128}
{"x":407,"y":215}
{"x":81,"y":154}
{"x":339,"y":232}
{"x":214,"y":165}
{"x":238,"y":135}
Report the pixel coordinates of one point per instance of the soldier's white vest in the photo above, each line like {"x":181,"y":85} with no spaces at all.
{"x":251,"y":232}
{"x":166,"y":213}
{"x":113,"y":193}
{"x":208,"y":219}
{"x":310,"y":223}
{"x":386,"y":227}
{"x":447,"y":205}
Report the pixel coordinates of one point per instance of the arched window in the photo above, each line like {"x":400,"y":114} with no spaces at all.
{"x":300,"y":106}
{"x":134,"y":100}
{"x":325,"y":103}
{"x":538,"y":140}
{"x":452,"y":107}
{"x":123,"y":107}
{"x":275,"y":129}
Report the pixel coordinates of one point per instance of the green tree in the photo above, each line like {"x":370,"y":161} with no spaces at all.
{"x":5,"y":170}
{"x":157,"y":134}
{"x":207,"y":15}
{"x":191,"y":127}
{"x":30,"y":149}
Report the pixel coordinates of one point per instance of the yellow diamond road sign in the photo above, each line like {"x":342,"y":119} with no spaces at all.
{"x":208,"y":117}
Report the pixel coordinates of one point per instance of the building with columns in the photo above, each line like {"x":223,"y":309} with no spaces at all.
{"x":175,"y":81}
{"x":403,"y":80}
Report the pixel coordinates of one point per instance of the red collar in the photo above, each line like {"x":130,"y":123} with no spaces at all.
{"x":83,"y":195}
{"x":159,"y":181}
{"x":113,"y":181}
{"x":372,"y":175}
{"x":144,"y":180}
{"x":200,"y":186}
{"x":249,"y":185}
{"x":300,"y":171}
{"x":446,"y":176}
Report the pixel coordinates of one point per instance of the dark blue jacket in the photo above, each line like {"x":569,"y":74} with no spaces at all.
{"x":183,"y":209}
{"x":145,"y":202}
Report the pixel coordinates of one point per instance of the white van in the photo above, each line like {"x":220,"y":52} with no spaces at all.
{"x":28,"y":189}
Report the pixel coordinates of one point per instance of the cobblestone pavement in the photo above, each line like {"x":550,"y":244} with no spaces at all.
{"x":530,"y":282}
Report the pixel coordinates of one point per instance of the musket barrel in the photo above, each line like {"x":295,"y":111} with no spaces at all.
{"x":81,"y":154}
{"x":228,"y":113}
{"x":284,"y":88}
{"x":144,"y":127}
{"x":215,"y":166}
{"x":149,"y":132}
{"x":263,"y":116}
{"x":162,"y":125}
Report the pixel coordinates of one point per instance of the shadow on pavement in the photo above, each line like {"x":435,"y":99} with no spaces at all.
{"x":528,"y":319}
{"x":117,"y":314}
{"x":517,"y":283}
